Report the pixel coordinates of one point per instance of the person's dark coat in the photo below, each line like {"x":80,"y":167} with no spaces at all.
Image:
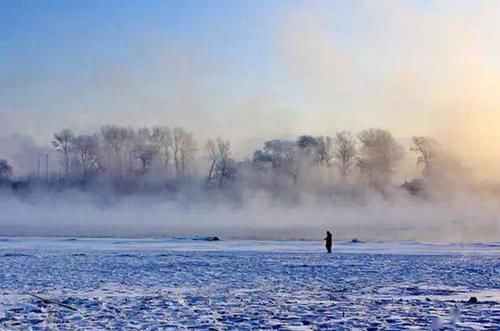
{"x":328,"y":243}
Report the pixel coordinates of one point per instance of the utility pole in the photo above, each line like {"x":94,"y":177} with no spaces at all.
{"x":38,"y":166}
{"x":47,"y":167}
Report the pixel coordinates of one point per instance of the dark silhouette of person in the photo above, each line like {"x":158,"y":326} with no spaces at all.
{"x":328,"y":240}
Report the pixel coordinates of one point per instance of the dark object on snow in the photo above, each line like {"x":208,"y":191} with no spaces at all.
{"x":328,"y":240}
{"x":473,"y":300}
{"x":209,"y":238}
{"x":356,"y":241}
{"x":52,"y":302}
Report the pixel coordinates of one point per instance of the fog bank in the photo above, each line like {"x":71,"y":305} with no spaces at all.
{"x":463,"y":220}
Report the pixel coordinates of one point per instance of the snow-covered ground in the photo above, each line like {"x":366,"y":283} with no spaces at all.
{"x":246,"y":285}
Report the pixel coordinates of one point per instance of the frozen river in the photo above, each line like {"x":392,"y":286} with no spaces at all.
{"x":246,"y":285}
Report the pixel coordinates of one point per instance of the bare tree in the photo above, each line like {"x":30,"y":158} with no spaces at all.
{"x":225,"y":163}
{"x":144,"y":154}
{"x":379,"y":156}
{"x":221,"y":165}
{"x":144,"y":150}
{"x":212,"y":155}
{"x":325,"y":151}
{"x":175,"y":145}
{"x":6,"y":170}
{"x":183,"y":148}
{"x":63,"y":143}
{"x":427,"y":150}
{"x":87,"y":155}
{"x":441,"y":167}
{"x":344,"y":152}
{"x":117,"y":144}
{"x":161,"y":138}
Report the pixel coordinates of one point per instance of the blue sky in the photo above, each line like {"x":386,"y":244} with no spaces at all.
{"x":251,"y":70}
{"x":58,"y":42}
{"x":70,"y":35}
{"x":57,"y":31}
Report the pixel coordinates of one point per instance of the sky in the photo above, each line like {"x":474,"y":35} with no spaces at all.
{"x":253,"y":70}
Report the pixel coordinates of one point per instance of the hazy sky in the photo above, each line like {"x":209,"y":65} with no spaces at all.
{"x":251,"y":70}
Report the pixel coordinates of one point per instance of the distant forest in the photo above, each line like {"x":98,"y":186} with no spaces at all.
{"x":160,"y":158}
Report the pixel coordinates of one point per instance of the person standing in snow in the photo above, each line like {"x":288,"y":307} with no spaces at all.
{"x":328,"y":240}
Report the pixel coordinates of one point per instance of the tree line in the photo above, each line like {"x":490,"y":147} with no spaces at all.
{"x":121,"y":152}
{"x":169,"y":154}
